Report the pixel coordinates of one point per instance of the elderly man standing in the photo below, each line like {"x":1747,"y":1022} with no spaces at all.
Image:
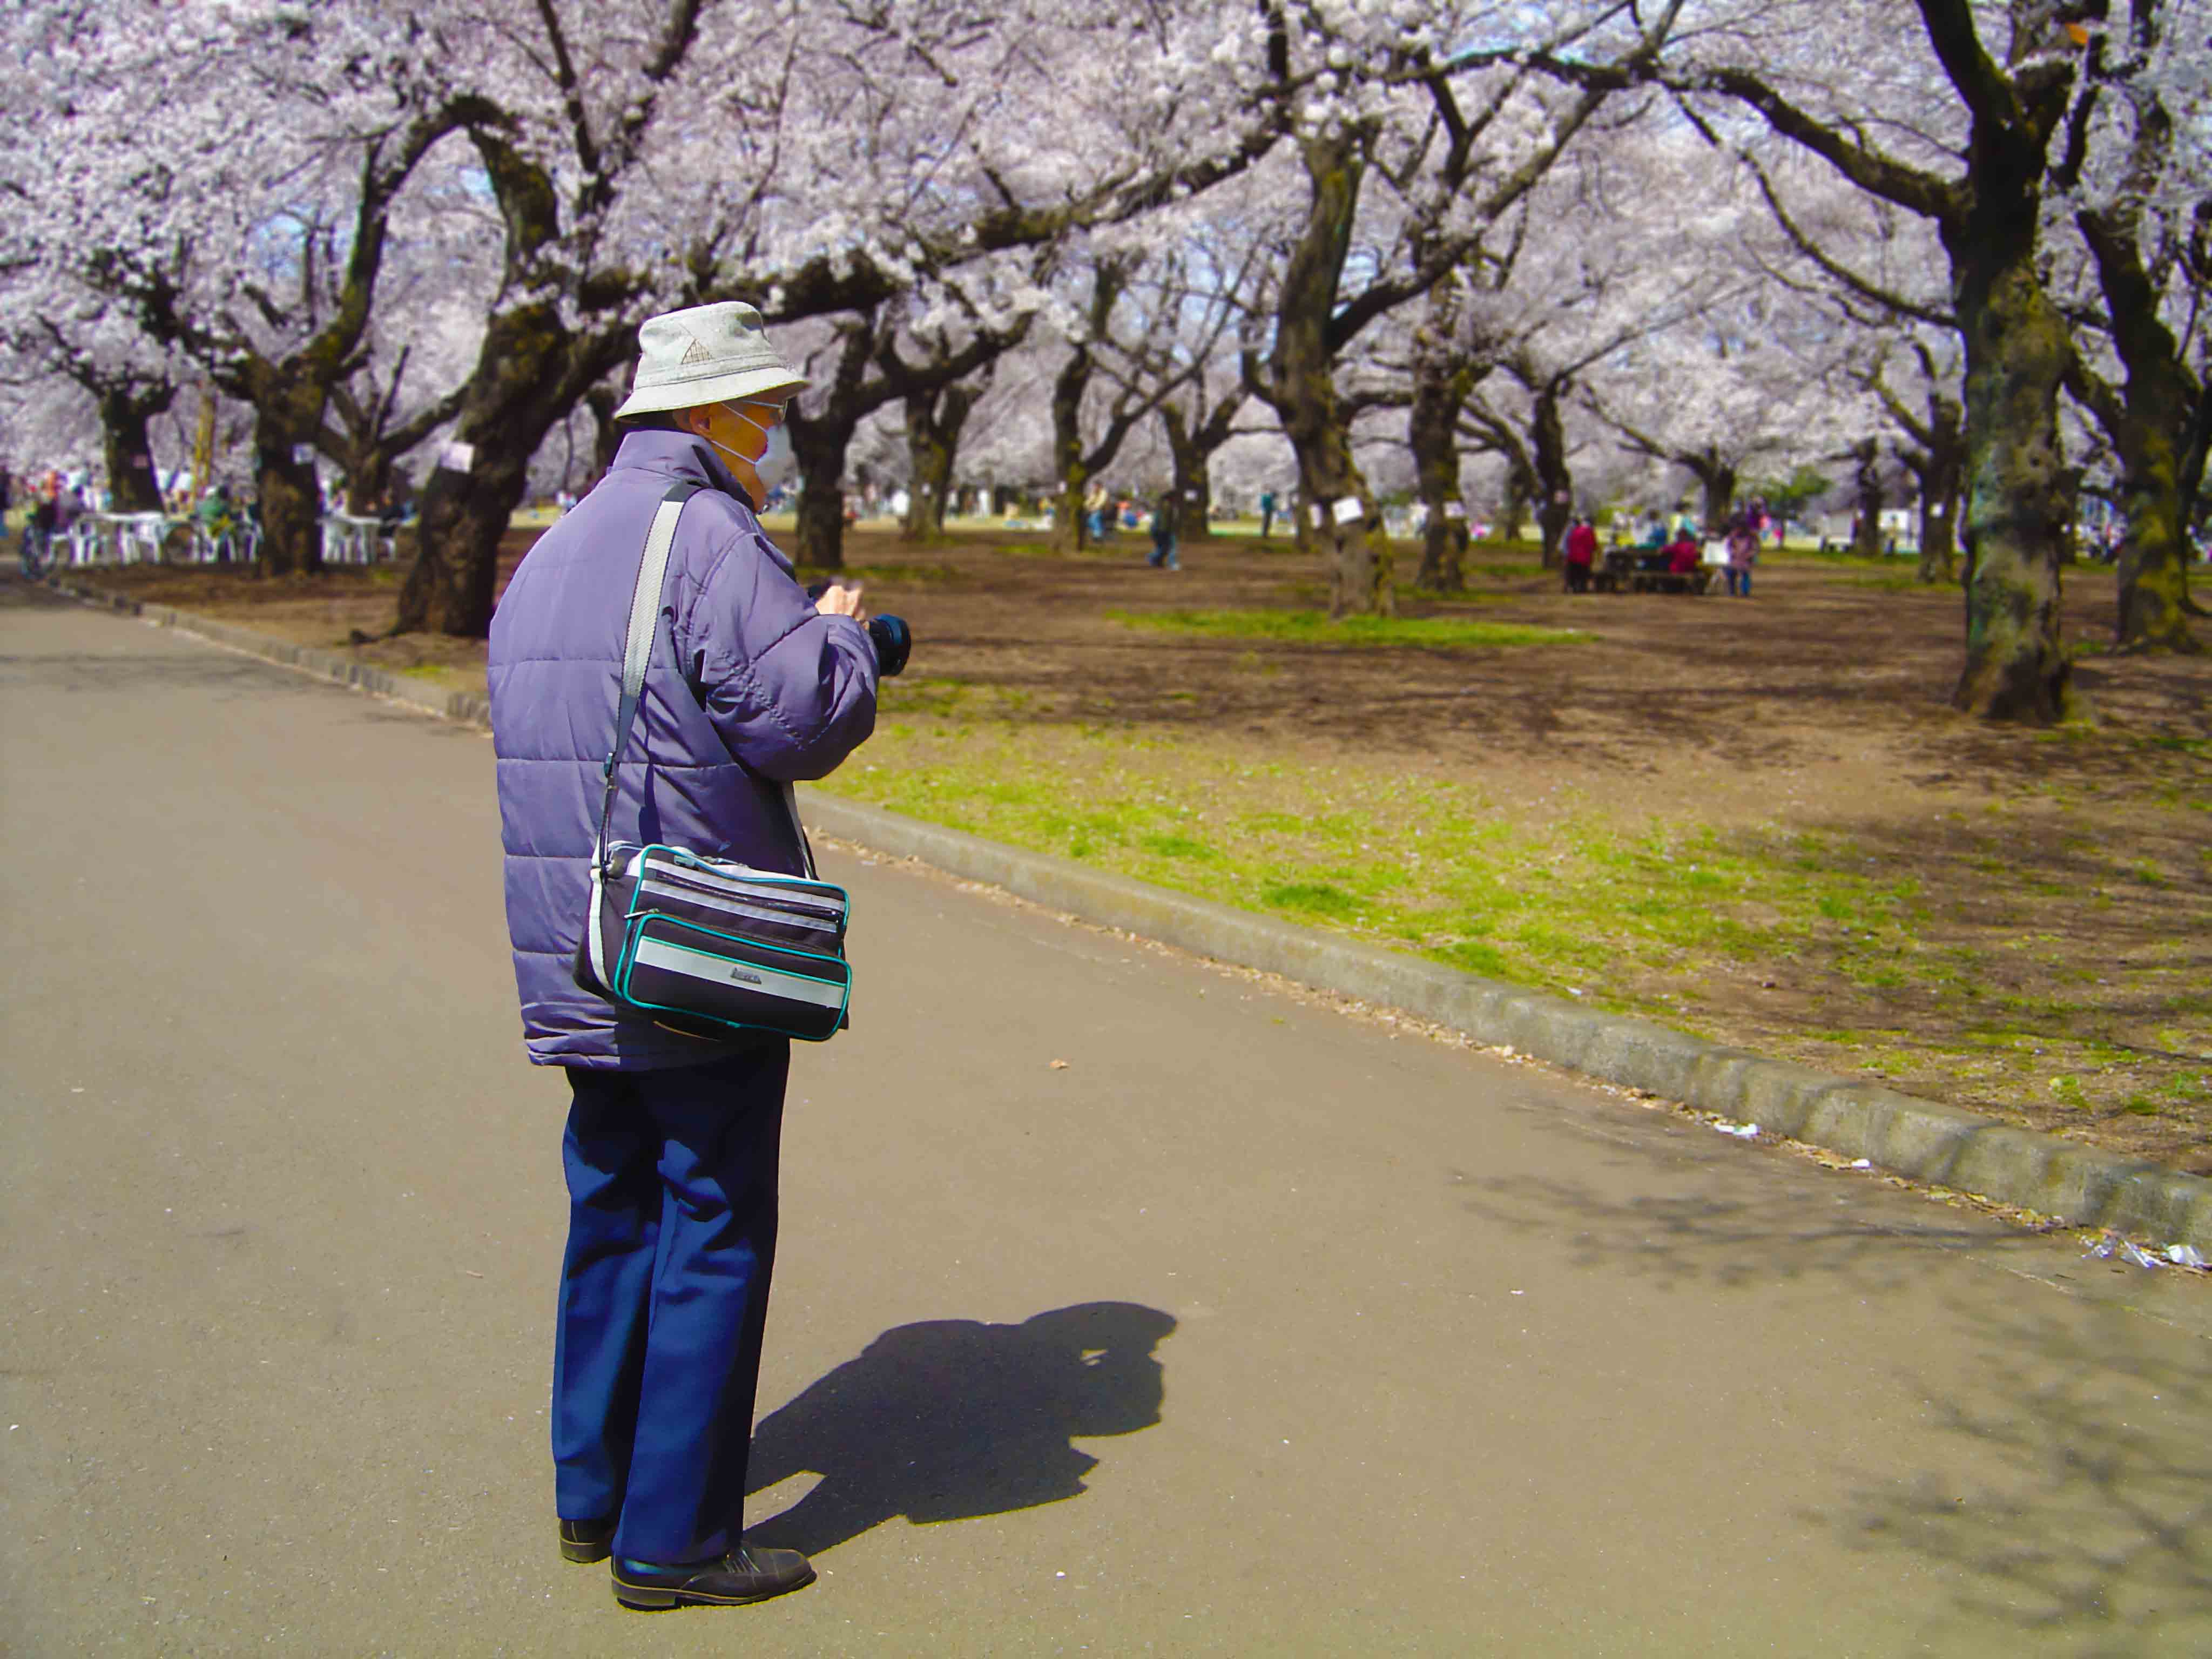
{"x":671,"y":1145}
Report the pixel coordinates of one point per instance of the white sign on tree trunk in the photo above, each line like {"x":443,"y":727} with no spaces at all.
{"x":1455,"y":510}
{"x":457,"y":456}
{"x":1349,"y":510}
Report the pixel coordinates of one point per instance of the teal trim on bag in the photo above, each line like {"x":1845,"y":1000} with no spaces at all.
{"x":628,"y":959}
{"x":629,"y":944}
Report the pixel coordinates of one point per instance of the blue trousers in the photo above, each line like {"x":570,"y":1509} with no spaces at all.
{"x":664,"y":1296}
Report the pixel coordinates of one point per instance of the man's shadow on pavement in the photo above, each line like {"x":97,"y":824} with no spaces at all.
{"x":952,"y":1419}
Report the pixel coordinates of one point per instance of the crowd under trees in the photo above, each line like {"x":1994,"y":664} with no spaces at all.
{"x":1500,"y":260}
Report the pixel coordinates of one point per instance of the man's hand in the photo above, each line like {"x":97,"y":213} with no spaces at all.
{"x":839,"y":600}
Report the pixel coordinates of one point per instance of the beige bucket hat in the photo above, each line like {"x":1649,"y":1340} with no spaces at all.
{"x":706,"y":354}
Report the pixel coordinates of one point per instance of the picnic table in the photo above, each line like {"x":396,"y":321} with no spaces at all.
{"x":351,"y":540}
{"x":125,"y":538}
{"x":1645,"y":570}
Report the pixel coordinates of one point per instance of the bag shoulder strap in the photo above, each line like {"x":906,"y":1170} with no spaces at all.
{"x":644,"y":606}
{"x":637,"y":652}
{"x":637,"y":644}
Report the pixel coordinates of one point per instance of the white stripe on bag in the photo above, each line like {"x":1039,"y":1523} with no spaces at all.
{"x":746,"y":975}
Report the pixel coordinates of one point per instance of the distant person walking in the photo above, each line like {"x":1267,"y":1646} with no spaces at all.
{"x":36,"y":549}
{"x":1163,"y":556}
{"x":1582,"y":554}
{"x":1743,"y":553}
{"x":1266,"y":512}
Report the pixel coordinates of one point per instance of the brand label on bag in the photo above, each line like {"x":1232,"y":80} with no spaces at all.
{"x":680,"y":960}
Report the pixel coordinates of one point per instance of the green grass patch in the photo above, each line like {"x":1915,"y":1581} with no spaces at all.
{"x":1315,"y":628}
{"x":1571,"y":902}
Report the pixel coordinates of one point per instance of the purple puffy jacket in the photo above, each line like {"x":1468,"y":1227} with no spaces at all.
{"x":758,"y":689}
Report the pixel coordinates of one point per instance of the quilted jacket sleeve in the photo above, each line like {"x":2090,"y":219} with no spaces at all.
{"x":791,"y":692}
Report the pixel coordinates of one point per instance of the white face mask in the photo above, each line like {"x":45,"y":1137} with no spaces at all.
{"x":776,"y":463}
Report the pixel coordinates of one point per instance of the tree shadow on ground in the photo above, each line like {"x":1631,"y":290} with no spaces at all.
{"x":952,"y":1419}
{"x":2067,"y":1506}
{"x":2087,"y":1526}
{"x":1793,"y":1232}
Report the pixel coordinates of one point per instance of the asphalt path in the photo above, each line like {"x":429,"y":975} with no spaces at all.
{"x":1252,"y":1327}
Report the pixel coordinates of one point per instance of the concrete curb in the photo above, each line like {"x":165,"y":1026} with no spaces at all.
{"x":1923,"y":1140}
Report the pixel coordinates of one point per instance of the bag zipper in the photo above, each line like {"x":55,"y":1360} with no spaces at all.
{"x":691,"y":893}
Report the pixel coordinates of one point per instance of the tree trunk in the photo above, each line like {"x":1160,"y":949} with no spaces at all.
{"x":128,"y":448}
{"x":2016,"y":349}
{"x":2154,"y":564}
{"x":1444,"y":548}
{"x":530,"y":371}
{"x":821,"y":536}
{"x":369,"y":481}
{"x":1194,"y":503}
{"x":1443,"y":377}
{"x":1716,"y":481}
{"x":1069,"y":534}
{"x":2155,"y":423}
{"x":1361,"y":566}
{"x":1866,"y":510}
{"x":934,"y":423}
{"x":1945,"y":459}
{"x":1443,"y":538}
{"x":452,"y":583}
{"x":1513,"y":508}
{"x":1555,"y":484}
{"x":607,"y":431}
{"x":1302,"y":385}
{"x":1071,"y":530}
{"x":285,"y":424}
{"x":1193,"y":488}
{"x":1431,"y":434}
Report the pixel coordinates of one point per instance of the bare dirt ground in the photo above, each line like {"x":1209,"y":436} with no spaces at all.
{"x":2068,"y":873}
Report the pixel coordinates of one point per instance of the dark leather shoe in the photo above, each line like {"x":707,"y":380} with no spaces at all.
{"x":587,"y":1541}
{"x":747,"y":1573}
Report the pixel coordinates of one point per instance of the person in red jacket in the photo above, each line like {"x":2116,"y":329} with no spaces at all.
{"x":1683,"y":555}
{"x":1582,"y":553}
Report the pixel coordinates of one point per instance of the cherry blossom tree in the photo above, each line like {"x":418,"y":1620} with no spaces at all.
{"x":255,"y":248}
{"x":1982,"y":124}
{"x":85,"y":337}
{"x":1453,"y":140}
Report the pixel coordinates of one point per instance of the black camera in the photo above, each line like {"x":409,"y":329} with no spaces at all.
{"x":890,"y":635}
{"x":893,"y":640}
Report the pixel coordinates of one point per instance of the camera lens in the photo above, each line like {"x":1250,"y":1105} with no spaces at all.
{"x":893,"y":640}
